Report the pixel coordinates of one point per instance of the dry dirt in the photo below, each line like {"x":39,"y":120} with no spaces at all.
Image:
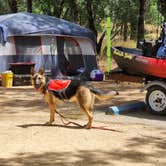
{"x":138,"y":138}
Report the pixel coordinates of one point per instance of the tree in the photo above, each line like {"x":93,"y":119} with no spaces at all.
{"x":4,"y":7}
{"x":162,"y":8}
{"x":29,"y":6}
{"x":58,"y":7}
{"x":13,"y":6}
{"x":124,"y":17}
{"x":74,"y":11}
{"x":141,"y":19}
{"x":91,"y":21}
{"x":92,"y":14}
{"x":95,"y":12}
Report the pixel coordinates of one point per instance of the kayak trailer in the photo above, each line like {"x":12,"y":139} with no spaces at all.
{"x":133,"y":66}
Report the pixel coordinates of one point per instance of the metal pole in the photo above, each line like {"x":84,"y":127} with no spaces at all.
{"x":108,"y":44}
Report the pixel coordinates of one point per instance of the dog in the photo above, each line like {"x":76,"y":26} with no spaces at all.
{"x":72,"y":91}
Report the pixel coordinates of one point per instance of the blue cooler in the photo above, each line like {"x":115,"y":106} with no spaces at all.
{"x":96,"y":75}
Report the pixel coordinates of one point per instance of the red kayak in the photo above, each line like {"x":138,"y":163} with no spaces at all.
{"x":132,"y":61}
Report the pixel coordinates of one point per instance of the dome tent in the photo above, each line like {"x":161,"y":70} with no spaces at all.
{"x":46,"y":41}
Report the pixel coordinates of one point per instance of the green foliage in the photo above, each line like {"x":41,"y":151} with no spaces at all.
{"x":4,"y":8}
{"x":120,"y":10}
{"x":153,"y":16}
{"x":123,"y":13}
{"x":162,"y":8}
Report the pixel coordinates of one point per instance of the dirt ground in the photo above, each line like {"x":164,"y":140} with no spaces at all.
{"x":138,"y":138}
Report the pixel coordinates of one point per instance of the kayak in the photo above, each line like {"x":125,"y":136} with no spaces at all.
{"x":134,"y":62}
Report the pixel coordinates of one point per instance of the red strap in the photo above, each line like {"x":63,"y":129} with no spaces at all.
{"x":77,"y":124}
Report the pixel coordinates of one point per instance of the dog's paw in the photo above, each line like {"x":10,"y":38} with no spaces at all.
{"x":87,"y":126}
{"x":48,"y":124}
{"x":117,"y":93}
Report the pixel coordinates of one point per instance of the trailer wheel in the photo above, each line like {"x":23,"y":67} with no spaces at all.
{"x":156,"y":100}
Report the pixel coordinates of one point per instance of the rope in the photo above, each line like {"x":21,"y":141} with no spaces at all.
{"x":81,"y":126}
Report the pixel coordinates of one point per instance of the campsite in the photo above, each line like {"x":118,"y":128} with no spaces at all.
{"x":110,"y":54}
{"x":137,"y":137}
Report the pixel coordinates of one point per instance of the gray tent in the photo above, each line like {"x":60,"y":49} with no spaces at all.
{"x":49,"y":42}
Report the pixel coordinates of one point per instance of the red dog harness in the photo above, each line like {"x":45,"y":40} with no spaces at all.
{"x":63,"y":89}
{"x":58,"y":85}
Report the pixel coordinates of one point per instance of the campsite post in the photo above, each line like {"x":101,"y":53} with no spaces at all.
{"x":108,"y":44}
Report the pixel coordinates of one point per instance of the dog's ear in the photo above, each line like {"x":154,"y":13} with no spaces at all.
{"x":32,"y":71}
{"x":41,"y":71}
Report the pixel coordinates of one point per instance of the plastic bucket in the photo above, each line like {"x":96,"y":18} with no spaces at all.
{"x":7,"y":79}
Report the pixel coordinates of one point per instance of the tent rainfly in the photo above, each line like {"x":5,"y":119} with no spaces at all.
{"x":57,"y":45}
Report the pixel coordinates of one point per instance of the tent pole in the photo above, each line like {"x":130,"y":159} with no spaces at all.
{"x":108,"y":44}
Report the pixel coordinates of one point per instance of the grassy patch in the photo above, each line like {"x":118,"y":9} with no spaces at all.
{"x":129,"y":43}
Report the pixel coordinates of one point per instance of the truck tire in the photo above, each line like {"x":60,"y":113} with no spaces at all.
{"x":156,"y":100}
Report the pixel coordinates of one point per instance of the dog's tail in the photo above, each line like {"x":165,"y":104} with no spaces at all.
{"x":101,"y":95}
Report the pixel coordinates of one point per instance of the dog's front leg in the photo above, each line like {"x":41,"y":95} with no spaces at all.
{"x":52,"y":114}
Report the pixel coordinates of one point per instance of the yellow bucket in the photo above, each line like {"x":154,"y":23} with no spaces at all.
{"x":7,"y":79}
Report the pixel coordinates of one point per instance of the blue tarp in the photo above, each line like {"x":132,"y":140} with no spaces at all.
{"x":28,"y":23}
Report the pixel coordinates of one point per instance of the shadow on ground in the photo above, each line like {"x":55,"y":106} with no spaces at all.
{"x":28,"y":99}
{"x":96,"y":157}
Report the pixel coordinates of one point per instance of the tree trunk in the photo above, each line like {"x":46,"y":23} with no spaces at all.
{"x":125,"y":31}
{"x":90,"y":17}
{"x":133,"y":34}
{"x":58,"y":7}
{"x":99,"y":44}
{"x":140,"y":33}
{"x":48,"y":10}
{"x":29,"y":6}
{"x":13,"y":6}
{"x":74,"y":11}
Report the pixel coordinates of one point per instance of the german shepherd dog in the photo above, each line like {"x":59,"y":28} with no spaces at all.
{"x":79,"y":92}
